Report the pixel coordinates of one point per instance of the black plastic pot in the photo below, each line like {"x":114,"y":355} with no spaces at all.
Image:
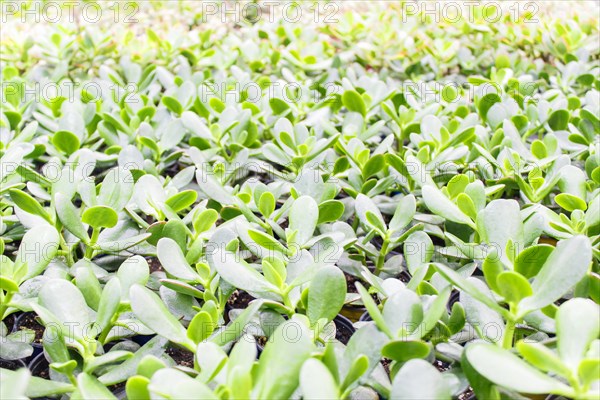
{"x":10,"y":321}
{"x":12,"y":365}
{"x":454,"y":298}
{"x":39,"y":366}
{"x":37,"y":347}
{"x":344,"y":328}
{"x":365,"y":317}
{"x":141,"y":339}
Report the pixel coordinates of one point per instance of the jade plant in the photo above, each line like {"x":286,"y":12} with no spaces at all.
{"x":194,"y":204}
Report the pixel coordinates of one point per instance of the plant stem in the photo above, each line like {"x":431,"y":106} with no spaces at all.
{"x":89,"y":251}
{"x":509,"y":332}
{"x":5,"y":303}
{"x":382,"y":254}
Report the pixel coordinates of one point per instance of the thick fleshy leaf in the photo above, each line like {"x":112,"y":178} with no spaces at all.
{"x":303,"y":217}
{"x":100,"y":217}
{"x":69,"y":216}
{"x":174,"y":384}
{"x":316,"y":382}
{"x":326,"y":294}
{"x":418,"y":379}
{"x":116,"y":189}
{"x":499,"y":222}
{"x":577,"y":325}
{"x":153,"y":313}
{"x":67,"y":304}
{"x":505,"y":369}
{"x":441,"y":205}
{"x":278,"y":373}
{"x":564,"y":268}
{"x":173,"y":261}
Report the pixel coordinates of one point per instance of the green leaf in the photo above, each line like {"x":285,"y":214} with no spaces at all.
{"x":577,"y":325}
{"x":8,"y":284}
{"x":507,"y":370}
{"x":499,"y":222}
{"x":439,"y":204}
{"x":182,"y":200}
{"x":205,"y":220}
{"x":172,"y":104}
{"x":116,"y":189}
{"x":100,"y":217}
{"x":564,"y":268}
{"x":418,"y":379}
{"x":153,"y":313}
{"x":89,"y":286}
{"x":239,"y":274}
{"x":109,"y":303}
{"x":171,"y":383}
{"x":137,"y":387}
{"x":330,"y":211}
{"x":66,"y":141}
{"x":38,"y":247}
{"x":353,"y":101}
{"x":278,"y":106}
{"x":326,"y":294}
{"x":466,"y":205}
{"x":364,"y":205}
{"x":404,"y":350}
{"x":303,"y":217}
{"x":173,"y":261}
{"x":65,"y":303}
{"x":570,"y":202}
{"x":559,"y":120}
{"x":69,"y":216}
{"x":513,"y":286}
{"x":278,"y":372}
{"x":542,"y":357}
{"x":373,"y":166}
{"x":316,"y":382}
{"x":529,"y":262}
{"x":404,"y":214}
{"x":454,"y":278}
{"x":486,"y":102}
{"x":28,"y":204}
{"x":266,"y":241}
{"x":359,"y":366}
{"x":373,"y":310}
{"x":266,"y":204}
{"x":200,"y":327}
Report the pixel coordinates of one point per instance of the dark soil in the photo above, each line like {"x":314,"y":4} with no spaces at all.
{"x":182,"y":357}
{"x":261,"y":341}
{"x":441,"y":365}
{"x":467,"y":395}
{"x":39,"y":367}
{"x":9,"y":322}
{"x":119,"y":387}
{"x":343,"y":333}
{"x":239,"y":299}
{"x":404,"y":276}
{"x":386,"y":362}
{"x":29,"y":321}
{"x":350,"y":283}
{"x":12,"y":365}
{"x":154,"y":264}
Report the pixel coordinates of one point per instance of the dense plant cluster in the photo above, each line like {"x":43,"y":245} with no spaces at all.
{"x":198,"y":216}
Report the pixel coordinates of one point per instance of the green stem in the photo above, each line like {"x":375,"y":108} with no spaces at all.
{"x":5,"y":303}
{"x":89,"y":251}
{"x":382,"y":254}
{"x":509,"y":332}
